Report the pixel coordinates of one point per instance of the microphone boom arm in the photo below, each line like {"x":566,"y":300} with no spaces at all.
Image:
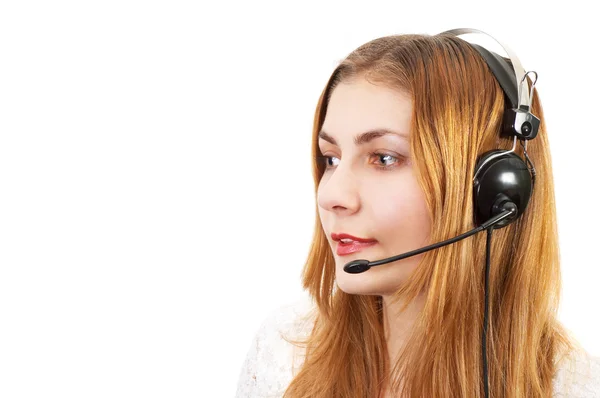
{"x":359,"y":266}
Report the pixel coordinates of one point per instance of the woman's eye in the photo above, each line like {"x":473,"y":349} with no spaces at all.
{"x":382,"y":156}
{"x":330,"y":159}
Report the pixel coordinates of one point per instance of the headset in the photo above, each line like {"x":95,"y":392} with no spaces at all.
{"x":500,"y":175}
{"x":503,"y":182}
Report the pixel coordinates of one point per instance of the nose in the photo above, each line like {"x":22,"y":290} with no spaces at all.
{"x":338,"y":191}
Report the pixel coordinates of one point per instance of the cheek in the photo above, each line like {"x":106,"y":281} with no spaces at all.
{"x":402,"y":209}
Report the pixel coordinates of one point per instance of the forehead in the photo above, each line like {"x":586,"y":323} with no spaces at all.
{"x":359,"y":105}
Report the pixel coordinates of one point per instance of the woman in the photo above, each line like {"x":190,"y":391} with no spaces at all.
{"x":398,"y":131}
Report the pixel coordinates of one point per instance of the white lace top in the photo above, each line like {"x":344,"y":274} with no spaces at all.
{"x":272,"y":362}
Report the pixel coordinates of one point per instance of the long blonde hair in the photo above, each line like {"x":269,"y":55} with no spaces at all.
{"x":457,"y":114}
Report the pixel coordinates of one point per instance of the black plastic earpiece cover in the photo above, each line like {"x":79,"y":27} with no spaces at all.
{"x":502,"y":180}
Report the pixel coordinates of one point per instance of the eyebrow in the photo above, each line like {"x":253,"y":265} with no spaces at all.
{"x":363,"y":138}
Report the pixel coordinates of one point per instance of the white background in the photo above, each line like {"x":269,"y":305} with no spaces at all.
{"x":156,"y":198}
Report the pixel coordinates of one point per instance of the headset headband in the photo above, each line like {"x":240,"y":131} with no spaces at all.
{"x":516,"y":98}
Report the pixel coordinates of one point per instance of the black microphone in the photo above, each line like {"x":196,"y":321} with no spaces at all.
{"x":359,"y":266}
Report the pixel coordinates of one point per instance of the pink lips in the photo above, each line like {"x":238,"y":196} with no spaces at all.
{"x":356,"y":245}
{"x":344,"y":249}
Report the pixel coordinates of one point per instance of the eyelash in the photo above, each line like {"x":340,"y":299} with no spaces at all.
{"x":323,"y":160}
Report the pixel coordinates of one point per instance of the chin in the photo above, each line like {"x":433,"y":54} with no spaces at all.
{"x":363,"y":283}
{"x":375,"y":282}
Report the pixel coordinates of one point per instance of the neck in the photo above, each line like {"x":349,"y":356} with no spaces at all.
{"x":398,"y":324}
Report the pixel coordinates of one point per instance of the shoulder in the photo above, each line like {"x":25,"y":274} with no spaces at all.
{"x":577,"y":375}
{"x":273,"y":357}
{"x":293,"y":319}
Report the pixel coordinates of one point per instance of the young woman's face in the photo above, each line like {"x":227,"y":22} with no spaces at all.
{"x":367,"y":195}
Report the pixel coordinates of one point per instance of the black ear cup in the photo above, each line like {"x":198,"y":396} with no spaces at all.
{"x":501,"y":183}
